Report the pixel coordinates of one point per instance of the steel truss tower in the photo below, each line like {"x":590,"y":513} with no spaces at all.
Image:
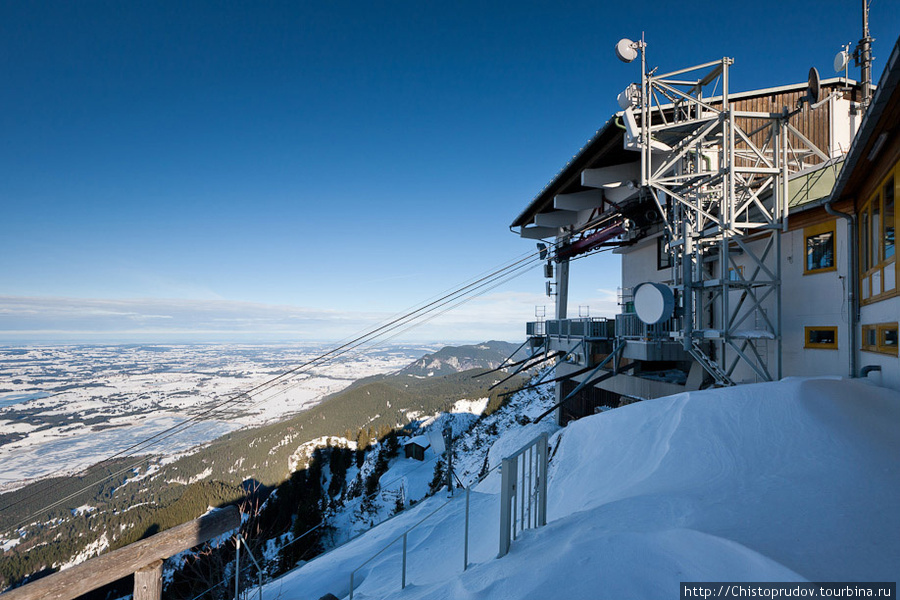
{"x":719,"y":177}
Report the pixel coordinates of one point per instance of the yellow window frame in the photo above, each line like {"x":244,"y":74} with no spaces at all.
{"x":819,"y":346}
{"x":872,"y":262}
{"x":817,"y":230}
{"x":879,"y":329}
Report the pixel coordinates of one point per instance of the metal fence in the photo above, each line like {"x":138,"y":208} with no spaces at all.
{"x":403,"y":537}
{"x":588,"y":327}
{"x":629,"y":326}
{"x":523,"y":490}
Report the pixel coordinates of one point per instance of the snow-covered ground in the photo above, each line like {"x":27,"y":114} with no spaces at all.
{"x":63,"y":408}
{"x":791,"y":481}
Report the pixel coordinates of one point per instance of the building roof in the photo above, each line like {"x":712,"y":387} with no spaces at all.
{"x":882,"y":117}
{"x":606,"y":148}
{"x":420,"y":440}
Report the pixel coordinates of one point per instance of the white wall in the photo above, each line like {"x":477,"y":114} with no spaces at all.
{"x":814,"y":299}
{"x":886,"y":311}
{"x":639,"y":264}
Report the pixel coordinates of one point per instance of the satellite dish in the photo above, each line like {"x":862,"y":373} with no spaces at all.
{"x":653,"y":302}
{"x":815,"y":90}
{"x":841,"y":60}
{"x":625,"y":50}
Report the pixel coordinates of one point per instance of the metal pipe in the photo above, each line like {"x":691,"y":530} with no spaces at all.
{"x":864,"y":372}
{"x":237,"y":566}
{"x":852,"y":275}
{"x":403,"y":585}
{"x":466,"y":539}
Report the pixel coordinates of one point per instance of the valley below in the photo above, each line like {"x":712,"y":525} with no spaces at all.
{"x":101,"y":446}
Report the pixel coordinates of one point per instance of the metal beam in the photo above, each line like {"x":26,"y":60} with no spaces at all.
{"x":579,"y":200}
{"x":527,"y":366}
{"x":538,"y":233}
{"x":556,"y":218}
{"x":554,"y":380}
{"x":600,"y":379}
{"x":610,"y":177}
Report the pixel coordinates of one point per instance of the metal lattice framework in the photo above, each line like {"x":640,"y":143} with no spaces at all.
{"x":719,"y":177}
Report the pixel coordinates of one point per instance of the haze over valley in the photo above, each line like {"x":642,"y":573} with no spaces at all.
{"x":63,"y":408}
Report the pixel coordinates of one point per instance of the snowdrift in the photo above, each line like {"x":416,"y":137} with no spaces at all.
{"x":790,"y":481}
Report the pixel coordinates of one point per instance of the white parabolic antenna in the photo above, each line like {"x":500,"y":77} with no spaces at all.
{"x":841,"y":60}
{"x":653,"y":302}
{"x":625,"y":50}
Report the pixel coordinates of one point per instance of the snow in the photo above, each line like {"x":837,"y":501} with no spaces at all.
{"x":790,"y":481}
{"x":101,"y":400}
{"x":9,"y":544}
{"x":475,"y":407}
{"x":83,"y":510}
{"x":95,"y":548}
{"x":419,"y":440}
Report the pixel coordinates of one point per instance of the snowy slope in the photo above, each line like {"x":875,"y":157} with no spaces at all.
{"x":789,"y":481}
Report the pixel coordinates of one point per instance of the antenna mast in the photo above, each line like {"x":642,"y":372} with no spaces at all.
{"x":863,"y":56}
{"x":718,"y":174}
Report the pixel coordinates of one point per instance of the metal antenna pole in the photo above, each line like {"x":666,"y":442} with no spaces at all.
{"x":864,"y":55}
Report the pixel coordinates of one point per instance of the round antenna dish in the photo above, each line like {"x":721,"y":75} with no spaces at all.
{"x":653,"y":302}
{"x":626,"y":97}
{"x":815,"y":90}
{"x":841,"y":60}
{"x":625,"y":50}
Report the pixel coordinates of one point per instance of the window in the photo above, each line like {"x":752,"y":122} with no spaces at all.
{"x":663,"y":258}
{"x":823,"y":338}
{"x":819,"y":248}
{"x":736,"y":274}
{"x":880,"y":337}
{"x":877,"y":244}
{"x":887,"y":195}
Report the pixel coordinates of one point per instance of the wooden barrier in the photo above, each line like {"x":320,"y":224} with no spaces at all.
{"x":143,"y":558}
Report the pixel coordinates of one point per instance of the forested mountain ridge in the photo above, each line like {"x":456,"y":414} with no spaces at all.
{"x":453,"y":359}
{"x":153,"y":493}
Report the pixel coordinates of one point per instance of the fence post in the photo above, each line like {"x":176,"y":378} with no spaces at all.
{"x":237,"y":566}
{"x":543,"y":459}
{"x":403,"y":586}
{"x":148,"y":582}
{"x":466,"y":542}
{"x":507,"y":496}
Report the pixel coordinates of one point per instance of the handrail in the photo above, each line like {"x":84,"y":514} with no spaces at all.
{"x":237,"y":565}
{"x":403,"y":537}
{"x":144,"y":558}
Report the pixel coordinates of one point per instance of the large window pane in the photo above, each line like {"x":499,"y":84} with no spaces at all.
{"x":888,"y":195}
{"x":864,"y":239}
{"x":875,"y":234}
{"x":820,"y":251}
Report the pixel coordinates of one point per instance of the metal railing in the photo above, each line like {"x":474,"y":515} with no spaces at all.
{"x":239,"y":540}
{"x":404,"y":536}
{"x":629,"y":326}
{"x":523,"y":504}
{"x":523,"y":490}
{"x":587,"y":327}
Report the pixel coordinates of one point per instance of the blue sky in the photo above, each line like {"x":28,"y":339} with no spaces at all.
{"x":171,"y":165}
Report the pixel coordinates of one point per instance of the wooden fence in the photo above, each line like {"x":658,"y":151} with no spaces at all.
{"x":143,"y":558}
